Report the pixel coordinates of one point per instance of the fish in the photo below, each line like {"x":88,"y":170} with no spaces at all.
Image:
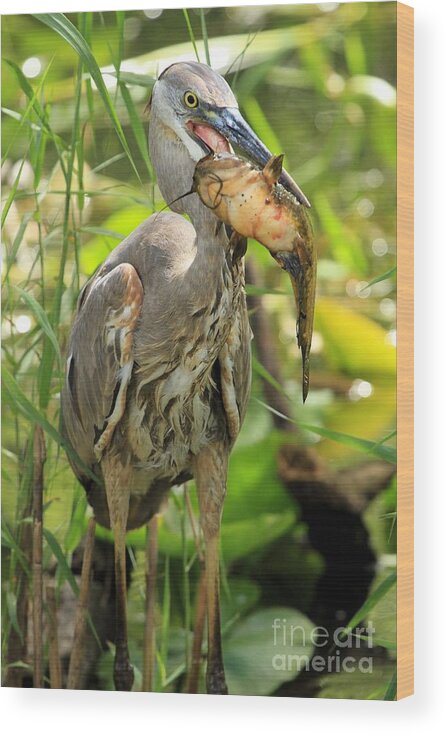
{"x":253,"y":202}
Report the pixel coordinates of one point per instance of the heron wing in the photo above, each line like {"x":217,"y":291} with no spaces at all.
{"x":100,"y":359}
{"x":235,"y":356}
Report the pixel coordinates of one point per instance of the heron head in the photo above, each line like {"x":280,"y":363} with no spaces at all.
{"x":197,"y":108}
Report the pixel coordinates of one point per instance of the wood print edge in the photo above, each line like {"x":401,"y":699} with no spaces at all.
{"x":405,"y":351}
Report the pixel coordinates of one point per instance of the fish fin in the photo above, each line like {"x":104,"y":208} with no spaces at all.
{"x":273,"y":169}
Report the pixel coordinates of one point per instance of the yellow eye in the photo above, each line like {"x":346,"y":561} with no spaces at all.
{"x":190,"y":99}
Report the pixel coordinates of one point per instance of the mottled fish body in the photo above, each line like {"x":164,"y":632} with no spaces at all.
{"x":257,"y":206}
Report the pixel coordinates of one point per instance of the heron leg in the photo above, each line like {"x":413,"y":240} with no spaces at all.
{"x":211,"y":474}
{"x":116,"y":477}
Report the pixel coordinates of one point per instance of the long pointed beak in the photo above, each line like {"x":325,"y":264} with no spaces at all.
{"x":230,"y":123}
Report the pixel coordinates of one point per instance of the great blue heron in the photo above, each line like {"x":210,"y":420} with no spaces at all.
{"x":158,"y":368}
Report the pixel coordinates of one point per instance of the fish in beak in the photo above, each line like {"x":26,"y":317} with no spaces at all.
{"x":257,"y":204}
{"x":231,"y":127}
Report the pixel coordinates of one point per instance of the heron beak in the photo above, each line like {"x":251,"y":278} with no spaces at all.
{"x":229,"y":122}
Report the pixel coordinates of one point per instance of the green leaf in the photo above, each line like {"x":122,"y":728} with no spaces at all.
{"x":11,"y":603}
{"x":119,"y":224}
{"x":378,"y":641}
{"x":346,"y":245}
{"x":391,"y":691}
{"x":389,"y":274}
{"x":265,"y":374}
{"x":65,"y":28}
{"x":387,"y":453}
{"x":9,"y":541}
{"x":353,"y":343}
{"x":256,"y":659}
{"x":11,"y":256}
{"x":205,"y":36}
{"x":243,"y":537}
{"x":63,"y":567}
{"x":254,"y":487}
{"x":33,"y":98}
{"x":13,"y":192}
{"x":19,"y":400}
{"x":240,"y":597}
{"x":67,"y":575}
{"x":137,"y":128}
{"x":371,"y":601}
{"x":42,"y":320}
{"x":191,"y":34}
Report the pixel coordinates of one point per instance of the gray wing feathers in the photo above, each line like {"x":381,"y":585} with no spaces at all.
{"x":100,"y":360}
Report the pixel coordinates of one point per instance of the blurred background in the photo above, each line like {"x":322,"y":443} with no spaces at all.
{"x":309,"y":522}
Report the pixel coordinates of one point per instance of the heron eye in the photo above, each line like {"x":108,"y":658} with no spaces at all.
{"x":190,"y":99}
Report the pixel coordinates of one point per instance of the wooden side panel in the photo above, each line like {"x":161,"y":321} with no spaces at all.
{"x":405,"y":350}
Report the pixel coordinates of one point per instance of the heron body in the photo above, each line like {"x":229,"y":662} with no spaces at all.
{"x":158,"y":367}
{"x":189,"y":358}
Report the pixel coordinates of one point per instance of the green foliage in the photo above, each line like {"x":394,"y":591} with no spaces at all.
{"x":250,"y":650}
{"x":318,"y":86}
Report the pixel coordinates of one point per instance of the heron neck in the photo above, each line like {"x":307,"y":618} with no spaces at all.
{"x":174,"y":169}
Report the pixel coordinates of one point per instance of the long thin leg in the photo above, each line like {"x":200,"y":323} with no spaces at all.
{"x":151,"y":589}
{"x":211,"y":475}
{"x":116,"y":478}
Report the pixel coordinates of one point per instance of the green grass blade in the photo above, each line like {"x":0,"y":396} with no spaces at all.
{"x":11,"y":256}
{"x":63,"y":567}
{"x":378,"y":641}
{"x":389,"y":274}
{"x":137,"y":128}
{"x":9,"y":541}
{"x":66,"y":574}
{"x":30,"y":93}
{"x":19,"y":400}
{"x":205,"y":36}
{"x":12,"y":193}
{"x":386,"y":453}
{"x":11,"y":605}
{"x":371,"y":601}
{"x":102,"y":232}
{"x":65,"y":28}
{"x":25,"y":407}
{"x":265,"y":374}
{"x":33,"y":96}
{"x":191,"y":34}
{"x":42,"y":320}
{"x":391,"y":691}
